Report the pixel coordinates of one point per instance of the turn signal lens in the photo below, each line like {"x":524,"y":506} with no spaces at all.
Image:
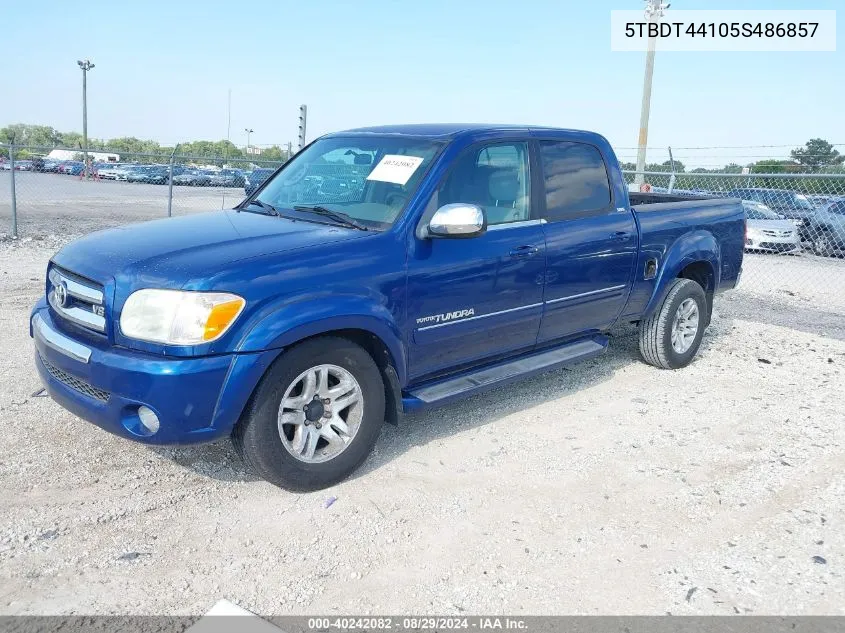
{"x":221,"y":318}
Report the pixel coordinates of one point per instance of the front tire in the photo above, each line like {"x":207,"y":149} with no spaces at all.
{"x":671,"y":336}
{"x":315,"y":415}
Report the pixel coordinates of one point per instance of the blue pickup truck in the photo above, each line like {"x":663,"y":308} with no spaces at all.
{"x":380,"y":271}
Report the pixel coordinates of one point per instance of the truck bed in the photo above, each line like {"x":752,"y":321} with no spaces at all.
{"x":671,"y":224}
{"x":641,"y":199}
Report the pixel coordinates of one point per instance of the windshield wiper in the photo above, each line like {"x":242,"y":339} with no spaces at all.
{"x":269,"y":208}
{"x":337,"y":216}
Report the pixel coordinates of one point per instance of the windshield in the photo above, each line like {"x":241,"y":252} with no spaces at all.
{"x":802,"y":202}
{"x":757,"y":211}
{"x":368,"y":178}
{"x":782,"y":199}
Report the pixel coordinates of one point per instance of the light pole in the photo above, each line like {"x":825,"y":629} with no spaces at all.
{"x":303,"y":115}
{"x":248,"y":132}
{"x":85,"y":65}
{"x":653,"y":12}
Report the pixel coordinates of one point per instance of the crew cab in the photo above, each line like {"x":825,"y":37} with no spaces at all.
{"x":380,"y":271}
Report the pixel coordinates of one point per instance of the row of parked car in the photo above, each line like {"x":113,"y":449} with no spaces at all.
{"x":182,"y":175}
{"x":73,"y":167}
{"x":150,"y":174}
{"x":785,"y":221}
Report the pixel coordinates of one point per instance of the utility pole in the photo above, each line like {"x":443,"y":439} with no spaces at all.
{"x":290,"y":151}
{"x":303,"y":115}
{"x":248,"y":132}
{"x":653,"y":12}
{"x":85,"y":65}
{"x":228,"y":129}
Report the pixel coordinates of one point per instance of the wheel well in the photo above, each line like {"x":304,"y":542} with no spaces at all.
{"x":702,"y":274}
{"x":373,"y":344}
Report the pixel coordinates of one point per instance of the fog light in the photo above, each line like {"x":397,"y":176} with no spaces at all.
{"x":149,"y":419}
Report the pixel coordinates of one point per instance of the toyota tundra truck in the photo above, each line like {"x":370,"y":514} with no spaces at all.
{"x":380,"y":271}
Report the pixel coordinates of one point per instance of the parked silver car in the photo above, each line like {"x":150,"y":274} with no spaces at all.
{"x":829,"y":229}
{"x":768,"y":231}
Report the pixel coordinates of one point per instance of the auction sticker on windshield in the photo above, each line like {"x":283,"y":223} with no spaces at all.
{"x":395,"y":168}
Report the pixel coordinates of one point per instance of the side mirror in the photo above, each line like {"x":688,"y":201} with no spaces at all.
{"x":458,"y":221}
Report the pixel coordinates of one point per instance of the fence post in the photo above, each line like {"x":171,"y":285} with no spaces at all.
{"x":672,"y":177}
{"x":14,"y":195}
{"x":170,"y":185}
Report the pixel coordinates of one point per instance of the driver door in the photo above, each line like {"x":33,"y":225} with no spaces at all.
{"x":471,"y":300}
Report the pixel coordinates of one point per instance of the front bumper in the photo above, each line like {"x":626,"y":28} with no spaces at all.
{"x":772,"y":244}
{"x":196,"y":399}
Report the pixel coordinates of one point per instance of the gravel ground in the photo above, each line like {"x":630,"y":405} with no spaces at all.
{"x":55,"y":204}
{"x":611,"y":487}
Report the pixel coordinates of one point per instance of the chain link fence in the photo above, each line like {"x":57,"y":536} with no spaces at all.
{"x":44,"y":191}
{"x":796,"y":222}
{"x":795,"y":241}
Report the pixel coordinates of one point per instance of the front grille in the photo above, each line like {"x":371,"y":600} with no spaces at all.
{"x":773,"y":233}
{"x":74,"y":383}
{"x":76,"y":299}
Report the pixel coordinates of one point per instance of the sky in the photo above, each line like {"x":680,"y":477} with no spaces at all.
{"x":164,"y":71}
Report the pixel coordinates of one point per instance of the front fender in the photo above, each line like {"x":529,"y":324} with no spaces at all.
{"x":697,"y":246}
{"x":285,"y":322}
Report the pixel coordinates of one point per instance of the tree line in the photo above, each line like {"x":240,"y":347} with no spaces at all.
{"x":817,"y":156}
{"x":46,"y":137}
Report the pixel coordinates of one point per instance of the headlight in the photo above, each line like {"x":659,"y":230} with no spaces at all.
{"x":176,"y":317}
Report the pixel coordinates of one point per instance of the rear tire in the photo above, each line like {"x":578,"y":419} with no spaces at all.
{"x":258,"y":437}
{"x":671,"y":336}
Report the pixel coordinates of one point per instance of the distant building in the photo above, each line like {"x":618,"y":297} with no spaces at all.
{"x":69,"y":154}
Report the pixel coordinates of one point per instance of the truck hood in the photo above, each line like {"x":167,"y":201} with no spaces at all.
{"x":171,"y":252}
{"x":772,"y":225}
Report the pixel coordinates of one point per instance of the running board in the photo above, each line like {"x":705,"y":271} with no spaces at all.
{"x":491,"y":376}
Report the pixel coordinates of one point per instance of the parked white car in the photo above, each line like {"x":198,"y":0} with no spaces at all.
{"x":118,"y":172}
{"x":768,"y":231}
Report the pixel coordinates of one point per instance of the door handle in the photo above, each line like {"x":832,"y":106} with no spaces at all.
{"x":524,"y":251}
{"x":619,"y":236}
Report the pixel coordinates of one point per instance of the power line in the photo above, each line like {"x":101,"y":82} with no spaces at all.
{"x":794,"y":146}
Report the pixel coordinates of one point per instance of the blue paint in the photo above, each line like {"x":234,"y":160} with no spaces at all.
{"x":438,"y":306}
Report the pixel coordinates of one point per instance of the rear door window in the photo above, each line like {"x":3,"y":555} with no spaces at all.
{"x":576,"y":181}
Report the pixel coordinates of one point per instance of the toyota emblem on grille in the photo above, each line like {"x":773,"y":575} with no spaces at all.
{"x":60,"y":292}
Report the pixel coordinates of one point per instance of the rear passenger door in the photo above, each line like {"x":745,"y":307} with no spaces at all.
{"x":591,"y":245}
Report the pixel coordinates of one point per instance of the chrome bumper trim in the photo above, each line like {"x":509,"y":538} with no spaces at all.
{"x":59,"y":342}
